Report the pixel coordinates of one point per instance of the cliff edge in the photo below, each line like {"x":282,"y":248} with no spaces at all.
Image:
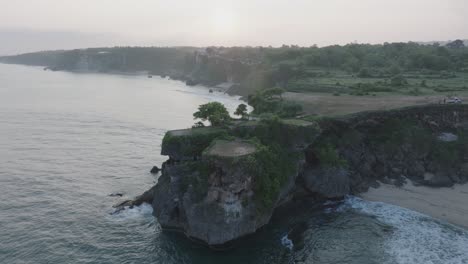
{"x":220,"y":184}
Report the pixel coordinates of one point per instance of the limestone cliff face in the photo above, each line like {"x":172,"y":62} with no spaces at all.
{"x":218,"y":190}
{"x":425,"y":144}
{"x":221,"y":184}
{"x":212,"y":199}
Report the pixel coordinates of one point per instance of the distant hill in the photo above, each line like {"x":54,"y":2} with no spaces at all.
{"x":352,"y":68}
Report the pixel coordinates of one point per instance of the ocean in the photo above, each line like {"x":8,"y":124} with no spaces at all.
{"x":70,"y":140}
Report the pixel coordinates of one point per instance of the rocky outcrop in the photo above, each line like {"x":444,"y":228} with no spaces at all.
{"x":425,"y":144}
{"x":217,"y":190}
{"x":221,"y":184}
{"x":211,"y":200}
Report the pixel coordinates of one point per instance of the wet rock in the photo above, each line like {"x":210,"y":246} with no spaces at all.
{"x":328,"y":182}
{"x":146,"y":197}
{"x":116,"y":194}
{"x":155,"y":170}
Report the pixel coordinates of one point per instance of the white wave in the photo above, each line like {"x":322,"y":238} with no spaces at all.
{"x":136,"y":212}
{"x":286,"y":242}
{"x":417,"y":238}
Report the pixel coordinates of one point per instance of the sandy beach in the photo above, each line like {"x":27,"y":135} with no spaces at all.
{"x":448,"y":204}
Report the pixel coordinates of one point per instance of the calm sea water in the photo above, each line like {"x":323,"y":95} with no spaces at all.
{"x":69,"y":140}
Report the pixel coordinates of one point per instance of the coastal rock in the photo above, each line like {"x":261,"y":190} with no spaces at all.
{"x":213,"y":199}
{"x":155,"y":170}
{"x":215,"y":191}
{"x":146,"y":197}
{"x":327,"y":182}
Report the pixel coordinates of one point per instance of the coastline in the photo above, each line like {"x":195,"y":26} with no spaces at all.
{"x":447,"y":204}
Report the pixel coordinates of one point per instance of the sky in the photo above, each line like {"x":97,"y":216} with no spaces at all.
{"x":33,"y":25}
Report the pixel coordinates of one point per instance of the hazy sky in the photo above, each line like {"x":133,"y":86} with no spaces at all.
{"x":29,"y":25}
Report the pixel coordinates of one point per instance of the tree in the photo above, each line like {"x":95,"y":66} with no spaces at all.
{"x":214,"y":112}
{"x":457,"y":44}
{"x":242,"y":111}
{"x":266,"y":101}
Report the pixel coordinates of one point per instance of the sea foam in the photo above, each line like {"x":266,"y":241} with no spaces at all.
{"x":136,"y":212}
{"x":417,"y":238}
{"x":287,"y":243}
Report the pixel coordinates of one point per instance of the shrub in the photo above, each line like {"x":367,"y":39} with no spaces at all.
{"x":329,"y":157}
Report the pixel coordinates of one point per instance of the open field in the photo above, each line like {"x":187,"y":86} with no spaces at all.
{"x":408,"y":83}
{"x":327,"y":104}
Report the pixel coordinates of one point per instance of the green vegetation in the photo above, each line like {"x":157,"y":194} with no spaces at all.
{"x":273,"y":161}
{"x":272,"y":166}
{"x":355,"y":69}
{"x":328,"y":156}
{"x":271,"y":101}
{"x":242,"y":112}
{"x":214,"y":112}
{"x":359,"y":69}
{"x":395,"y":133}
{"x":192,"y":142}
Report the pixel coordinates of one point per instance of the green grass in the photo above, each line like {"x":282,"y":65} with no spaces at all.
{"x":339,"y":82}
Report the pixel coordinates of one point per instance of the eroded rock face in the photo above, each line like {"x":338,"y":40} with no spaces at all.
{"x":327,"y":182}
{"x":212,"y":199}
{"x":209,"y":190}
{"x":424,"y":144}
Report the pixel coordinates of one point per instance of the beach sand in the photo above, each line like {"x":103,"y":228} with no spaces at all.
{"x":448,"y":204}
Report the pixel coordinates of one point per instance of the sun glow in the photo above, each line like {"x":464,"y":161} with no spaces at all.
{"x":224,"y":22}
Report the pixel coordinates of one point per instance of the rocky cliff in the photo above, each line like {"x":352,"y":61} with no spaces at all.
{"x":221,"y":184}
{"x":425,"y":144}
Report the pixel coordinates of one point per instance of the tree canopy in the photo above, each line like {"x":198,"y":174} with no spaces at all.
{"x":213,"y":112}
{"x":242,"y":111}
